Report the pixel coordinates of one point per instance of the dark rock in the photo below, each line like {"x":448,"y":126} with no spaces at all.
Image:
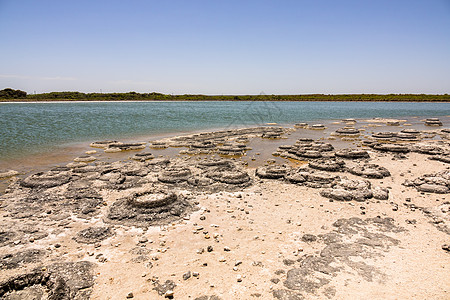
{"x":433,"y":188}
{"x":229,"y":176}
{"x":46,"y":180}
{"x":143,"y":156}
{"x":384,"y":135}
{"x":162,"y":289}
{"x":57,"y":281}
{"x":154,"y":206}
{"x":275,"y":280}
{"x":327,"y":165}
{"x":187,"y":275}
{"x":272,"y":171}
{"x":352,"y":153}
{"x":212,"y":297}
{"x":351,"y":131}
{"x":93,"y":235}
{"x":174,"y":174}
{"x":390,"y":147}
{"x":309,"y":238}
{"x":18,"y":259}
{"x":370,"y":171}
{"x":287,"y":295}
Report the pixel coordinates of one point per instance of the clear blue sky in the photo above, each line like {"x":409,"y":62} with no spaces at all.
{"x":226,"y":47}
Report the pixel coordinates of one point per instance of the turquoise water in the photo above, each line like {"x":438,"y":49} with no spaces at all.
{"x":29,"y":128}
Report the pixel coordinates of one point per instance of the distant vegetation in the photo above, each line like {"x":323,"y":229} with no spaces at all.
{"x":17,"y":95}
{"x":12,"y":94}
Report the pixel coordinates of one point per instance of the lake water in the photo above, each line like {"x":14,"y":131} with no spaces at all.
{"x":31,"y":128}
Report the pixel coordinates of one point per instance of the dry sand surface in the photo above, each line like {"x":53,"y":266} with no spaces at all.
{"x":317,"y":222}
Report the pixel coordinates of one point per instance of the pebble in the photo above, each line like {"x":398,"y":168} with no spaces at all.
{"x":226,"y":249}
{"x":210,"y":248}
{"x":169,"y":294}
{"x":130,"y":295}
{"x":187,"y":275}
{"x":143,"y":240}
{"x":239,"y":278}
{"x":195,"y":274}
{"x":222,"y":259}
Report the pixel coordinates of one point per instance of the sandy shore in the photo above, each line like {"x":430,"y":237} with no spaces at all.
{"x":260,"y":213}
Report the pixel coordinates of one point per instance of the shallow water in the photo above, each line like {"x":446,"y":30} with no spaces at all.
{"x":30,"y":130}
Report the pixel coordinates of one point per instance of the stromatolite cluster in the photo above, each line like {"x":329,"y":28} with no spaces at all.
{"x":438,"y":183}
{"x":369,"y":171}
{"x":305,"y":149}
{"x":149,"y":207}
{"x":358,"y":190}
{"x":70,"y":280}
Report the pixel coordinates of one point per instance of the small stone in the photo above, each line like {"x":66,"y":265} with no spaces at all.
{"x":169,"y":294}
{"x":187,"y":275}
{"x":143,"y":240}
{"x":195,"y":274}
{"x":210,"y":249}
{"x":130,"y":295}
{"x":226,"y":249}
{"x":239,"y":278}
{"x":237,"y":263}
{"x":222,"y":259}
{"x":446,"y":247}
{"x":57,"y":245}
{"x":202,"y":218}
{"x":200,"y":251}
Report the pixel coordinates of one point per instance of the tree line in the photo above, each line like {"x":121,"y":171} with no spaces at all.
{"x":17,"y":95}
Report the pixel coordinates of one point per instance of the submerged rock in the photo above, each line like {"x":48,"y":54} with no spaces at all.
{"x":351,"y":131}
{"x":143,"y":156}
{"x":8,"y":174}
{"x":103,"y":144}
{"x":84,"y":158}
{"x":433,"y":122}
{"x":111,"y":148}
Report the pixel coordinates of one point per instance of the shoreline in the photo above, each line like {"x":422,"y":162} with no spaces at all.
{"x":62,"y":153}
{"x":213,"y":100}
